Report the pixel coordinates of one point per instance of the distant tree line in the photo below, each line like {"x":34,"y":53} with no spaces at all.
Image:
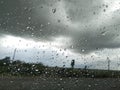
{"x":20,"y":68}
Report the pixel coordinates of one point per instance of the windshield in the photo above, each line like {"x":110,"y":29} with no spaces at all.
{"x":59,"y":42}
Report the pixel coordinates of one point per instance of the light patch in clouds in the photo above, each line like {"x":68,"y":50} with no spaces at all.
{"x":22,"y":43}
{"x":49,"y":53}
{"x":53,"y":55}
{"x":113,"y":5}
{"x":15,"y":42}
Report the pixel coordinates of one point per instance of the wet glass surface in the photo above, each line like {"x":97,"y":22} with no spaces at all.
{"x":59,"y":44}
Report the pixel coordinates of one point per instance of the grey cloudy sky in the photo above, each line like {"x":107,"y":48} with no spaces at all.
{"x":81,"y":26}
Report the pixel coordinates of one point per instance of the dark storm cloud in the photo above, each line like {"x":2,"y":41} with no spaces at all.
{"x":82,"y":10}
{"x":19,"y":18}
{"x":87,"y":42}
{"x":35,"y":19}
{"x":94,"y":36}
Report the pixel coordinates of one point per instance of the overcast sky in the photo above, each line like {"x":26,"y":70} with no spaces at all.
{"x":56,"y":31}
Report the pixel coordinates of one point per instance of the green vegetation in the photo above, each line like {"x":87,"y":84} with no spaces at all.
{"x":19,"y":68}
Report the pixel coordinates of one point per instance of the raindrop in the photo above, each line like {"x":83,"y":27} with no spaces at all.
{"x":86,"y":40}
{"x":40,"y":30}
{"x":58,"y":84}
{"x":92,"y":76}
{"x":94,"y":13}
{"x":33,"y":65}
{"x":19,"y":40}
{"x":25,"y":50}
{"x":26,"y":44}
{"x":41,"y":7}
{"x":61,"y":79}
{"x":53,"y":58}
{"x":71,"y":46}
{"x":89,"y":85}
{"x":67,"y":17}
{"x":82,"y":50}
{"x":103,"y":33}
{"x":58,"y":21}
{"x":29,"y":18}
{"x":65,"y":49}
{"x":27,"y":27}
{"x":4,"y":63}
{"x":104,"y":27}
{"x":46,"y":72}
{"x":36,"y":70}
{"x":8,"y":14}
{"x":96,"y":84}
{"x":54,"y":10}
{"x":106,"y":6}
{"x":11,"y":81}
{"x":62,"y":88}
{"x":48,"y":23}
{"x":25,"y":8}
{"x":41,"y":25}
{"x":18,"y":69}
{"x":43,"y":51}
{"x":104,"y":10}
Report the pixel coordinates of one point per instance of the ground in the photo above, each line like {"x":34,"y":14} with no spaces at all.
{"x":50,"y":83}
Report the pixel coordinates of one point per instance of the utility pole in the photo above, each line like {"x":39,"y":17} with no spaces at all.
{"x":14,"y":53}
{"x":108,"y":63}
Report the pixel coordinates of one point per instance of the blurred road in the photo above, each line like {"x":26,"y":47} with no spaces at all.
{"x":43,"y":83}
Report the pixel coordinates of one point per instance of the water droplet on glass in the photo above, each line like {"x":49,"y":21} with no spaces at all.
{"x":29,"y":18}
{"x":89,"y":85}
{"x":103,"y":33}
{"x":94,"y":13}
{"x":41,"y":25}
{"x":58,"y":21}
{"x":71,"y":46}
{"x":54,"y":10}
{"x":104,"y":10}
{"x":106,"y":6}
{"x":36,"y":70}
{"x":82,"y":50}
{"x":41,"y":7}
